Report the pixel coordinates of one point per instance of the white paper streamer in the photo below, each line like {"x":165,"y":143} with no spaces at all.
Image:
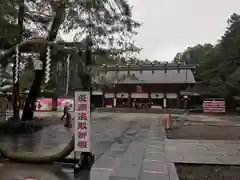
{"x":48,"y":65}
{"x":67,"y":82}
{"x":17,"y":64}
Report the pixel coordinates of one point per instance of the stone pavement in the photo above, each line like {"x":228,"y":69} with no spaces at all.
{"x":142,"y":158}
{"x":203,"y":151}
{"x":128,"y":146}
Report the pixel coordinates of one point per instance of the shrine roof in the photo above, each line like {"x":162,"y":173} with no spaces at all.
{"x":160,"y":66}
{"x":161,"y":76}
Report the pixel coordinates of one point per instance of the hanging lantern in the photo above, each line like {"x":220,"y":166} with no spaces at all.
{"x":128,"y":68}
{"x":178,"y":67}
{"x":152,"y":68}
{"x":165,"y":67}
{"x":17,"y":65}
{"x":48,"y":65}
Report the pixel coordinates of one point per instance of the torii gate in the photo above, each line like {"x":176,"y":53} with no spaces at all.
{"x":86,"y":159}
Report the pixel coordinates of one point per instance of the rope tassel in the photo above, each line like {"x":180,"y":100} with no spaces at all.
{"x":17,"y":65}
{"x":48,"y":65}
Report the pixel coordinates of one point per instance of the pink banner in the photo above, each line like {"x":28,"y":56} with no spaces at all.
{"x":214,"y":106}
{"x":61,"y":102}
{"x":44,"y":104}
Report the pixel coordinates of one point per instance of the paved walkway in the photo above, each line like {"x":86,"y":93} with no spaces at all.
{"x":140,"y":155}
{"x":127,"y":147}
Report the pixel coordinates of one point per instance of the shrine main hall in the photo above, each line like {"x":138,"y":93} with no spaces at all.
{"x":145,"y":86}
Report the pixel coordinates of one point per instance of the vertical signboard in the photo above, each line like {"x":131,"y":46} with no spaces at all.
{"x":82,"y":121}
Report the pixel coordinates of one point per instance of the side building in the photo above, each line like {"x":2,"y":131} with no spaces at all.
{"x":146,"y":85}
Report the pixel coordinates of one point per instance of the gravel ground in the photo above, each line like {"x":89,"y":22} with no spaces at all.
{"x":205,"y":132}
{"x":207,"y":128}
{"x":207,"y":172}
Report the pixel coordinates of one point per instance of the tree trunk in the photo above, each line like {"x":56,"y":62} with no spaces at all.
{"x":32,"y":96}
{"x":39,"y":74}
{"x":15,"y":94}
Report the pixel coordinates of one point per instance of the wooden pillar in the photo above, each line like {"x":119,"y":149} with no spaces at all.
{"x":103,"y":99}
{"x":114,"y":101}
{"x":129,"y":100}
{"x":115,"y":97}
{"x":149,"y":100}
{"x":164,"y":101}
{"x":185,"y":99}
{"x":165,"y":89}
{"x":178,"y":100}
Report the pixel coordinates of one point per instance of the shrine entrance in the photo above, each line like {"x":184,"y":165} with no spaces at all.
{"x":140,"y":99}
{"x":122,"y":102}
{"x":140,"y":103}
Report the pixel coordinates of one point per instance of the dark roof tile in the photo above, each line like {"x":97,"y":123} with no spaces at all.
{"x":156,"y":77}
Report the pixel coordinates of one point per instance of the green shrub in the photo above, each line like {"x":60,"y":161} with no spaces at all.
{"x":20,"y":127}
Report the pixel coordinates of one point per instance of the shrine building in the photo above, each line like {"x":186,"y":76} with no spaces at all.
{"x":146,"y":85}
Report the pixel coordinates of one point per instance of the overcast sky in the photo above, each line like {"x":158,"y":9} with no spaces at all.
{"x":170,"y":26}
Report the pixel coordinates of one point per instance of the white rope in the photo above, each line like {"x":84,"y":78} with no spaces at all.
{"x":17,"y":65}
{"x":48,"y":65}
